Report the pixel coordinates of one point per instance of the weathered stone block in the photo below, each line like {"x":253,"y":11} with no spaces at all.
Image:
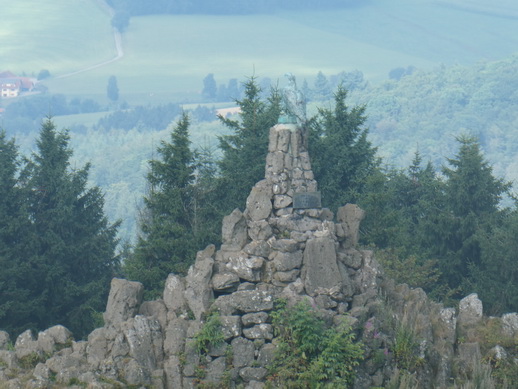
{"x":233,"y":230}
{"x":253,"y":373}
{"x":225,"y":281}
{"x":243,"y":352}
{"x":259,"y":230}
{"x":259,"y":202}
{"x":155,"y":310}
{"x":231,"y":326}
{"x":285,"y":277}
{"x":510,"y":324}
{"x":198,"y":293}
{"x":173,"y":372}
{"x":259,"y":331}
{"x":259,"y":248}
{"x":247,"y":268}
{"x":320,"y":269}
{"x":4,"y":340}
{"x":470,"y":310}
{"x":286,"y":261}
{"x":175,"y":335}
{"x":254,"y":318}
{"x":350,"y":216}
{"x":244,"y":301}
{"x":123,"y":301}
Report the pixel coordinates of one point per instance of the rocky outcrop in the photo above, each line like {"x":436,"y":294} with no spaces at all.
{"x":274,"y":249}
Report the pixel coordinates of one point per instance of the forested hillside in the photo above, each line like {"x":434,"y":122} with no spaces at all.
{"x":426,"y":110}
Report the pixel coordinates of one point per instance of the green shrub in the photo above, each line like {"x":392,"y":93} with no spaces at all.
{"x":308,"y":354}
{"x":210,"y":334}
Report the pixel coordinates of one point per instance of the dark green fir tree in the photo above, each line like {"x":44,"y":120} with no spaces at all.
{"x":167,"y":243}
{"x":244,"y":151}
{"x":70,"y":254}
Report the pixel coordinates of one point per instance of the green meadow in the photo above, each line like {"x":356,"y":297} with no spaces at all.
{"x":58,"y":35}
{"x":167,"y":56}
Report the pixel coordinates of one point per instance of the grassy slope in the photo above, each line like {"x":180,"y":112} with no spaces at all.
{"x":58,"y":35}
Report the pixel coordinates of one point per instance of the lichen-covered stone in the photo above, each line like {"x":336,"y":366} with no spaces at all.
{"x":244,"y":301}
{"x":259,"y":331}
{"x":230,"y":326}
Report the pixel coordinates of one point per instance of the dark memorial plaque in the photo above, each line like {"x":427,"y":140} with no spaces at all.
{"x":307,"y":200}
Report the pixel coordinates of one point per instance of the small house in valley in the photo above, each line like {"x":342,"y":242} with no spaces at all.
{"x":12,"y":86}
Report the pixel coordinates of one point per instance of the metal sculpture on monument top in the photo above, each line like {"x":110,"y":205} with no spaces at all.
{"x":294,"y":107}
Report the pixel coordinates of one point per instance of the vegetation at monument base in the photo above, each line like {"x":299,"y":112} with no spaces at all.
{"x":57,"y":249}
{"x":309,"y":354}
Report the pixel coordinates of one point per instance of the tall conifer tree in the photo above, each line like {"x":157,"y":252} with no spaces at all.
{"x":72,"y":252}
{"x":167,"y":242}
{"x":472,"y":196}
{"x":244,"y":151}
{"x":341,"y":155}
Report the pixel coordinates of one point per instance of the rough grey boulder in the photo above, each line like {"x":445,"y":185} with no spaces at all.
{"x":246,"y":267}
{"x":50,"y":338}
{"x":25,"y":344}
{"x":174,"y":293}
{"x":198,"y":292}
{"x":123,"y":301}
{"x":259,"y":202}
{"x":320,"y":269}
{"x":243,"y":352}
{"x":510,"y":324}
{"x":350,"y":216}
{"x":145,"y":341}
{"x":233,"y":230}
{"x":245,"y":301}
{"x":470,"y":310}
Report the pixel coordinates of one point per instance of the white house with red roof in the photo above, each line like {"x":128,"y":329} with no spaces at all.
{"x":12,"y":86}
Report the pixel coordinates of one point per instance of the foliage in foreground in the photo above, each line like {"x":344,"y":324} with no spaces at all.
{"x":309,"y":354}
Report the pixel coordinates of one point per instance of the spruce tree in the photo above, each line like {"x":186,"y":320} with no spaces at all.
{"x":167,"y":243}
{"x":245,"y":150}
{"x":15,"y":308}
{"x":71,"y":250}
{"x":472,"y":197}
{"x":342,"y":157}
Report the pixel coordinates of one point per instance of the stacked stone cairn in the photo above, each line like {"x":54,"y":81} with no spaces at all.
{"x":271,"y":250}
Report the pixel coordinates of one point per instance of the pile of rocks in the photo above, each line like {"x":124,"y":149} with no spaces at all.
{"x":274,"y":249}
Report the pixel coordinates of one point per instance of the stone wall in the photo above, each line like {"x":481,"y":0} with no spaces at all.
{"x":269,"y":251}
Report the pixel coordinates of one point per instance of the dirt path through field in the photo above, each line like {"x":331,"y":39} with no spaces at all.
{"x":117,"y":38}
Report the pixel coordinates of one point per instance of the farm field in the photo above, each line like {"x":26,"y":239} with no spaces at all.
{"x":167,"y":56}
{"x":58,"y":35}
